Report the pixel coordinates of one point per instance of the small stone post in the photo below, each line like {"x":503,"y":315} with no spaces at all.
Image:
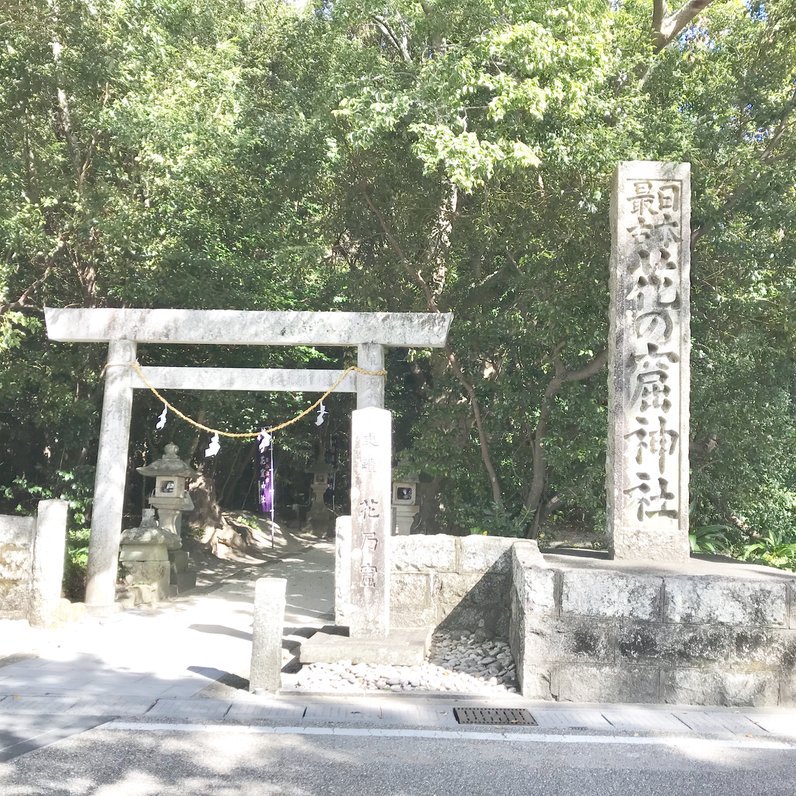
{"x":106,"y":515}
{"x":49,"y":548}
{"x":269,"y":619}
{"x":649,"y":348}
{"x":342,"y":571}
{"x":371,"y":479}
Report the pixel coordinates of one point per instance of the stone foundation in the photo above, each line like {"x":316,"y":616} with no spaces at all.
{"x":456,"y":583}
{"x":585,"y":629}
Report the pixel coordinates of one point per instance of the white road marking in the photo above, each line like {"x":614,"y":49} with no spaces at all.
{"x":458,"y":735}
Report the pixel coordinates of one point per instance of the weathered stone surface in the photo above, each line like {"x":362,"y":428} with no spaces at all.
{"x":143,"y":552}
{"x":536,"y":589}
{"x":241,"y":327}
{"x":570,"y":641}
{"x":154,"y":574}
{"x":15,"y":562}
{"x":718,"y":686}
{"x":451,"y":588}
{"x":421,"y":553}
{"x":371,"y":495}
{"x":32,"y":562}
{"x":342,"y":571}
{"x":49,"y":551}
{"x":610,"y":594}
{"x":517,"y":629}
{"x":16,"y":531}
{"x":246,"y":379}
{"x":411,"y":602}
{"x":149,"y":535}
{"x":267,"y":628}
{"x":787,"y":689}
{"x":370,"y":388}
{"x":578,"y":683}
{"x":411,"y":590}
{"x":649,"y":349}
{"x":111,"y":475}
{"x":526,"y":551}
{"x":535,"y":682}
{"x":471,"y":601}
{"x":792,"y":604}
{"x":533,"y":583}
{"x":707,"y":600}
{"x":14,"y":597}
{"x":677,"y":644}
{"x":770,"y":648}
{"x":146,"y":567}
{"x":482,"y":553}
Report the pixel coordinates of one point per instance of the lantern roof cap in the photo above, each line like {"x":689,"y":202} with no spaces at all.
{"x":168,"y":464}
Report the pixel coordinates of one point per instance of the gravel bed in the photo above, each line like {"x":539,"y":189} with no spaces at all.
{"x":463,"y":663}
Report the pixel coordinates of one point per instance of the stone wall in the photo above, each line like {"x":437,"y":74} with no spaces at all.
{"x":457,"y":583}
{"x":460,"y":583}
{"x":16,"y":565}
{"x":590,"y":630}
{"x":32,"y":563}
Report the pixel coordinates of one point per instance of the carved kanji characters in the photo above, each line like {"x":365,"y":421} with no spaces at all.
{"x":369,"y":572}
{"x":369,"y":508}
{"x":649,"y":505}
{"x":658,"y":441}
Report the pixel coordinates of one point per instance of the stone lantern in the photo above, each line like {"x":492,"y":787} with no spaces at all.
{"x":170,"y":497}
{"x":320,"y":516}
{"x":405,"y":504}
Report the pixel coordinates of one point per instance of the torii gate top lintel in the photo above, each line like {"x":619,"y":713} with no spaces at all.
{"x":245,"y":327}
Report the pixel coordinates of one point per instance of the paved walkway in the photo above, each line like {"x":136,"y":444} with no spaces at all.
{"x":188,"y":661}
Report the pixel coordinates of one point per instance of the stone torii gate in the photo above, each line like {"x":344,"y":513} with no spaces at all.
{"x":371,"y":453}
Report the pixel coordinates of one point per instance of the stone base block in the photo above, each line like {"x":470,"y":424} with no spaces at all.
{"x":399,"y":648}
{"x":702,"y":633}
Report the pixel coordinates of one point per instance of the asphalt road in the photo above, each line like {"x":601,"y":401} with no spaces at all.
{"x":139,"y":760}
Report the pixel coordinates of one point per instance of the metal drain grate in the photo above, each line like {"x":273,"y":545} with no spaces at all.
{"x":493,"y":716}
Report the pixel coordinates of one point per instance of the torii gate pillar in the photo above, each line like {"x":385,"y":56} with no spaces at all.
{"x":111,"y":475}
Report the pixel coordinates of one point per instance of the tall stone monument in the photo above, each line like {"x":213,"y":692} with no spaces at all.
{"x":649,"y":348}
{"x":371,"y":469}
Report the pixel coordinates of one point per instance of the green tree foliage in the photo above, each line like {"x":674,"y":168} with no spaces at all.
{"x":447,"y":155}
{"x":126,"y":180}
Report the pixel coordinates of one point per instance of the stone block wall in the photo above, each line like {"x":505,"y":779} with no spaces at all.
{"x":458,"y":583}
{"x":16,"y":565}
{"x":32,"y":563}
{"x":612,"y":635}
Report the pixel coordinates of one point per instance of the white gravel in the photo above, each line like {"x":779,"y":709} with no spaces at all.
{"x":463,"y":663}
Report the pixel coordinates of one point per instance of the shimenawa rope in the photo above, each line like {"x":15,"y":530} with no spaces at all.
{"x":249,"y":434}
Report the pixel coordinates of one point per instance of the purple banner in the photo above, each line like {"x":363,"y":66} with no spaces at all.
{"x":265,"y":479}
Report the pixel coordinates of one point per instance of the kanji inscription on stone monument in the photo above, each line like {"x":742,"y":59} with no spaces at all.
{"x":649,"y":347}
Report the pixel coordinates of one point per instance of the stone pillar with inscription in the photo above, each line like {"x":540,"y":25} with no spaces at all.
{"x":649,"y":347}
{"x":371,"y":478}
